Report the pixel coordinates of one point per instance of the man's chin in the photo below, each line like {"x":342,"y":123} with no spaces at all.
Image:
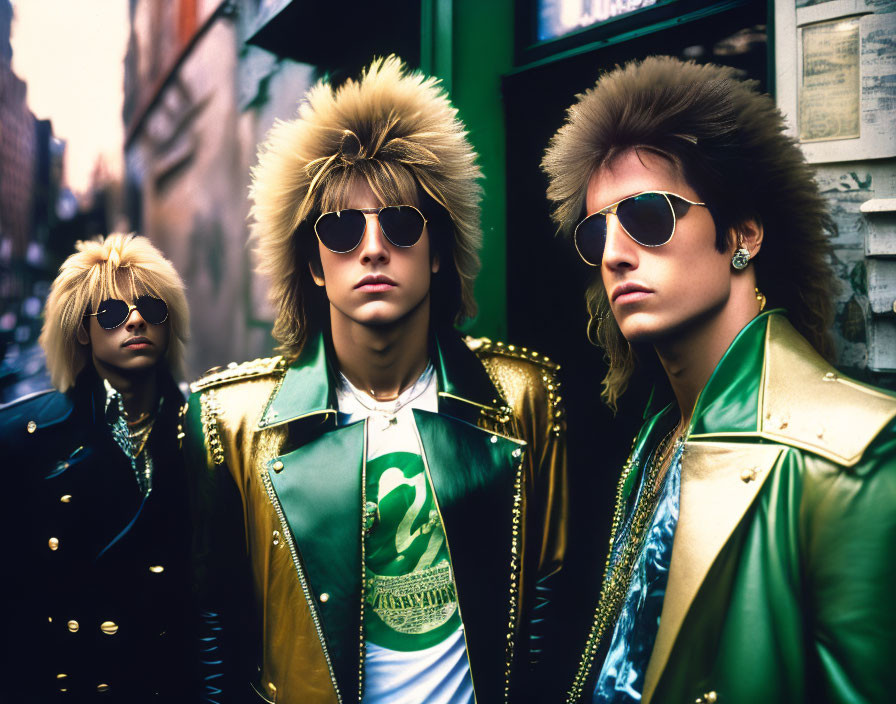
{"x":136,"y":366}
{"x":639,"y":330}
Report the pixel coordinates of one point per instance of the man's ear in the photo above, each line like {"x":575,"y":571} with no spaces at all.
{"x":81,"y":334}
{"x":317,"y":273}
{"x":749,"y":233}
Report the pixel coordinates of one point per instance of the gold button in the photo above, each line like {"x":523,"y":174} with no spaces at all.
{"x":110,"y":628}
{"x":102,"y":688}
{"x":156,"y":569}
{"x":277,"y":466}
{"x":711,"y":697}
{"x":61,"y":676}
{"x":31,"y":427}
{"x":49,"y":619}
{"x":324,"y":597}
{"x":276,"y":537}
{"x":73,"y":626}
{"x":65,"y":498}
{"x":748,"y":475}
{"x":494,"y":438}
{"x":53,"y":543}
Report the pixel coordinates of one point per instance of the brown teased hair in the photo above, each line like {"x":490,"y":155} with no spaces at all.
{"x":729,"y":142}
{"x":396,"y":131}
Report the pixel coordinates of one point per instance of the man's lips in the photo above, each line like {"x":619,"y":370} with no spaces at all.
{"x":375,"y":282}
{"x":138,"y":342}
{"x":629,"y":293}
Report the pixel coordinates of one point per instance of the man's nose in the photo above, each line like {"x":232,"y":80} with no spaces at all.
{"x":135,"y":320}
{"x":620,"y":250}
{"x":374,"y":245}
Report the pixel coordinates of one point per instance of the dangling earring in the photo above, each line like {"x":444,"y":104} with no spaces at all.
{"x":741,"y":256}
{"x":760,"y":297}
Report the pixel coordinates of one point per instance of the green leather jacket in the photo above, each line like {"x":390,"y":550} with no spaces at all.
{"x":783,"y":574}
{"x":279,"y":492}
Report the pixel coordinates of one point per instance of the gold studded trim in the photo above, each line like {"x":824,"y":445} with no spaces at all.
{"x":484,"y":344}
{"x":362,"y":628}
{"x":612,"y":592}
{"x":313,"y":609}
{"x":208,"y":415}
{"x":181,"y":414}
{"x":515,"y":551}
{"x":237,"y":372}
{"x":556,"y":411}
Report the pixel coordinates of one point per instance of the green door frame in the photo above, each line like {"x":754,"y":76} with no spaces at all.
{"x":468,"y":44}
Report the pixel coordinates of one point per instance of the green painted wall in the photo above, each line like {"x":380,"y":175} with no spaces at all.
{"x":469,"y":45}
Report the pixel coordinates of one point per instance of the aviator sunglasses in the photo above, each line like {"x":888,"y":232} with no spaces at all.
{"x":648,"y":218}
{"x":113,"y":312}
{"x":341,"y":231}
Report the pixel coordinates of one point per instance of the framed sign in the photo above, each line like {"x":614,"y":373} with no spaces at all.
{"x":830,"y":88}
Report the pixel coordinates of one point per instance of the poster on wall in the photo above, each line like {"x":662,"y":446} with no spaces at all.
{"x":830,"y":81}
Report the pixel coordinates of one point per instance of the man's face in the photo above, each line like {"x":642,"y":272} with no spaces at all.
{"x":133,"y":346}
{"x":376,"y":283}
{"x":657,"y":293}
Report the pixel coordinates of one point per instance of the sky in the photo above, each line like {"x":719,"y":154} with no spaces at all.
{"x":71,"y":55}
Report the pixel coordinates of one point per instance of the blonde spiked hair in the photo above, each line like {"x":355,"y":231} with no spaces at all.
{"x":91,"y":275}
{"x":393,"y":130}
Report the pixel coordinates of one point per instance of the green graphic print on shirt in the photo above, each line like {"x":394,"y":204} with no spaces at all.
{"x":412,"y":602}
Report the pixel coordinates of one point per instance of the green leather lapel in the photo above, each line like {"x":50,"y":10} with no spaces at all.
{"x":476,"y":480}
{"x":729,"y":403}
{"x":319,"y":490}
{"x":465,"y":389}
{"x":306,"y":390}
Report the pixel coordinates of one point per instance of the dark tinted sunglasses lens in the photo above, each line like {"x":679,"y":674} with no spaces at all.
{"x":591,"y":236}
{"x":401,"y":225}
{"x":111,"y":313}
{"x":647,"y":218}
{"x":342,"y":231}
{"x":153,"y":310}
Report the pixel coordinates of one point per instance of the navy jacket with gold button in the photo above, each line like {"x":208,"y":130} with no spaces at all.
{"x":280,"y":521}
{"x":99,"y":572}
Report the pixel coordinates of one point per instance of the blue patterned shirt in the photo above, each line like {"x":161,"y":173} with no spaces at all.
{"x":621,"y":679}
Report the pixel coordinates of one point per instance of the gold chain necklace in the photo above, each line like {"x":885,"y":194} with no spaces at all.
{"x":139,"y":436}
{"x":617,"y":574}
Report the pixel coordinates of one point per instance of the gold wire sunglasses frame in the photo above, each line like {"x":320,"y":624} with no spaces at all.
{"x":613,"y":207}
{"x":130,"y":307}
{"x":369,"y":211}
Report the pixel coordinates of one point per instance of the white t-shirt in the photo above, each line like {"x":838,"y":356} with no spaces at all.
{"x":416,"y":652}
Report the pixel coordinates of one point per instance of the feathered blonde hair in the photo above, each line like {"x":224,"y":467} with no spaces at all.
{"x":397,"y":132}
{"x":729,"y":142}
{"x":91,"y":275}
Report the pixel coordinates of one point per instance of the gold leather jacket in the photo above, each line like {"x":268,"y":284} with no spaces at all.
{"x":278,"y":497}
